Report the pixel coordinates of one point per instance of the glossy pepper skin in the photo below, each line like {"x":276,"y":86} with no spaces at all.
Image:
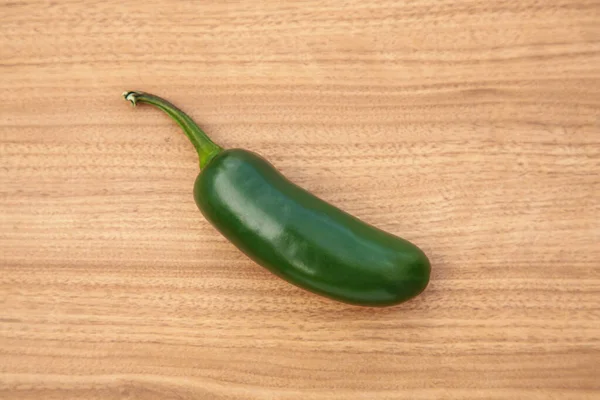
{"x":294,"y":234}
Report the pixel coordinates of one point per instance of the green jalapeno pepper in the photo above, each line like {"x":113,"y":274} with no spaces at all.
{"x":294,"y":234}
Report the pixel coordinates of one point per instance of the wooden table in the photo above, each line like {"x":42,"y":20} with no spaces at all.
{"x":469,"y":127}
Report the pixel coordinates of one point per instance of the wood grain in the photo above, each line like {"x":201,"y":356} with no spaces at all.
{"x":471,"y":127}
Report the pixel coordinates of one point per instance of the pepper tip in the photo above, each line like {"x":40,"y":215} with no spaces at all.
{"x":131,"y":97}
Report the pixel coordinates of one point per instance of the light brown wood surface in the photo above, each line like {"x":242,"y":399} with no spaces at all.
{"x":469,"y":127}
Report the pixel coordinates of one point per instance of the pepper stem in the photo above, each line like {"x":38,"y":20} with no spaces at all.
{"x":205,"y":147}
